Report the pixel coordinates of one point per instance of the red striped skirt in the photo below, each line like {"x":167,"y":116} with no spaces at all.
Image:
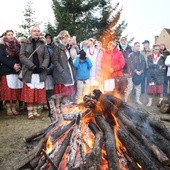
{"x":64,"y":90}
{"x":29,"y":95}
{"x":155,"y":89}
{"x":7,"y":93}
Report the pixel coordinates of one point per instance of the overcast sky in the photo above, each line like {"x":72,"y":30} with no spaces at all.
{"x":145,"y":18}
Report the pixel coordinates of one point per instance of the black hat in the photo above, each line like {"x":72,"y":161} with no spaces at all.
{"x":48,"y":35}
{"x":146,"y":42}
{"x":82,"y":55}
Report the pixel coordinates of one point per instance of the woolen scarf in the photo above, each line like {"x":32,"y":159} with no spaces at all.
{"x":12,"y":47}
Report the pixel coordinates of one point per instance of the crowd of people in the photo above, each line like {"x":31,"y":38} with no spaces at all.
{"x":35,"y":68}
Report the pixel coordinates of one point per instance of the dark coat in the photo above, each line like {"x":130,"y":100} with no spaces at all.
{"x":6,"y":61}
{"x":155,"y":71}
{"x":61,"y":72}
{"x":136,"y":61}
{"x":126,"y":53}
{"x":28,"y":65}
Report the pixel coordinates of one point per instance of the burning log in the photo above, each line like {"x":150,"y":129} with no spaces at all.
{"x":110,"y":142}
{"x":61,"y":130}
{"x":62,"y":149}
{"x":159,"y":154}
{"x":40,"y":133}
{"x":93,"y":159}
{"x":50,"y":161}
{"x":93,"y":128}
{"x":135,"y":149}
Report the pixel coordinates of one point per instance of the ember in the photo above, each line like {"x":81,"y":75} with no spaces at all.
{"x":101,"y":133}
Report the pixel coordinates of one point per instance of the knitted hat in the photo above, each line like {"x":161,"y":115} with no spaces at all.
{"x":82,"y":55}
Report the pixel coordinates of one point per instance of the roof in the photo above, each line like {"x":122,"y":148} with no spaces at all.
{"x":168,"y":30}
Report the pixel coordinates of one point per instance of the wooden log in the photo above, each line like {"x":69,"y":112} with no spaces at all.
{"x":32,"y":154}
{"x":93,"y":159}
{"x":50,"y":161}
{"x":61,"y":130}
{"x":138,"y":152}
{"x":93,"y":128}
{"x":160,"y":128}
{"x":40,"y":132}
{"x":158,"y":153}
{"x":62,"y":149}
{"x":110,"y":143}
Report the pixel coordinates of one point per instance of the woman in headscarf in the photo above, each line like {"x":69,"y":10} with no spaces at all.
{"x":10,"y":66}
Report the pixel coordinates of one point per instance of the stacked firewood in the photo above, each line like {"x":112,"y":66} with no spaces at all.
{"x":122,"y":137}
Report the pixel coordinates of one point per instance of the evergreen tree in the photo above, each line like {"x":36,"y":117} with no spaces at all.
{"x":109,"y":28}
{"x":88,"y":18}
{"x":29,"y":20}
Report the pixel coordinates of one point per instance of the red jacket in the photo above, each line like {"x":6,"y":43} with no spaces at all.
{"x":113,"y":59}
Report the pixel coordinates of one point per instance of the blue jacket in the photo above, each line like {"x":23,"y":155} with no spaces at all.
{"x":82,"y":69}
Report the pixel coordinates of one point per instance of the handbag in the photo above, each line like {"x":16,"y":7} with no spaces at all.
{"x":20,"y":75}
{"x":137,"y":79}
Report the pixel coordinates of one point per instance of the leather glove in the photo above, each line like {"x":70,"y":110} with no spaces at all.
{"x":38,"y":70}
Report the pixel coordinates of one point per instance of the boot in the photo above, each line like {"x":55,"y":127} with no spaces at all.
{"x":14,"y":111}
{"x":35,"y":111}
{"x":138,"y":98}
{"x":30,"y":113}
{"x":149,"y":102}
{"x":8,"y":109}
{"x":160,"y":100}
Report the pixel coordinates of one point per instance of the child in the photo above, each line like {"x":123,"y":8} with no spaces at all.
{"x":83,"y":66}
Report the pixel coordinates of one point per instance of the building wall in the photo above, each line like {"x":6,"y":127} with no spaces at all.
{"x":164,"y":37}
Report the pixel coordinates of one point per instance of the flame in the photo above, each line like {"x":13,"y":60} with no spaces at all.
{"x":49,"y":145}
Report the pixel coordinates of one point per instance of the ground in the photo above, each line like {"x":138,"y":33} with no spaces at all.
{"x":14,"y":129}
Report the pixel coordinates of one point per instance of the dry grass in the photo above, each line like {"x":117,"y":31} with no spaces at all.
{"x":12,"y":131}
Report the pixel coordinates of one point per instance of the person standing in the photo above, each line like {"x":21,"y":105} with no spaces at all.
{"x":112,"y":65}
{"x":10,"y":66}
{"x":136,"y":64}
{"x":155,"y":76}
{"x":126,"y":49}
{"x":93,"y":53}
{"x":63,"y":72}
{"x":83,"y":66}
{"x":35,"y":59}
{"x":165,"y":53}
{"x":146,"y":52}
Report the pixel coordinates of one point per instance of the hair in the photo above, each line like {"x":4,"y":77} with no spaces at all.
{"x":49,"y":35}
{"x":22,"y":39}
{"x":34,"y":27}
{"x":136,"y":43}
{"x":5,"y":33}
{"x":156,"y":45}
{"x":63,"y":34}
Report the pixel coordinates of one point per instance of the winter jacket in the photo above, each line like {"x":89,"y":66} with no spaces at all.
{"x":155,"y":71}
{"x":6,"y":61}
{"x":112,"y":59}
{"x":82,"y":69}
{"x":136,"y":61}
{"x":126,"y":53}
{"x":61,"y":72}
{"x":27,"y":64}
